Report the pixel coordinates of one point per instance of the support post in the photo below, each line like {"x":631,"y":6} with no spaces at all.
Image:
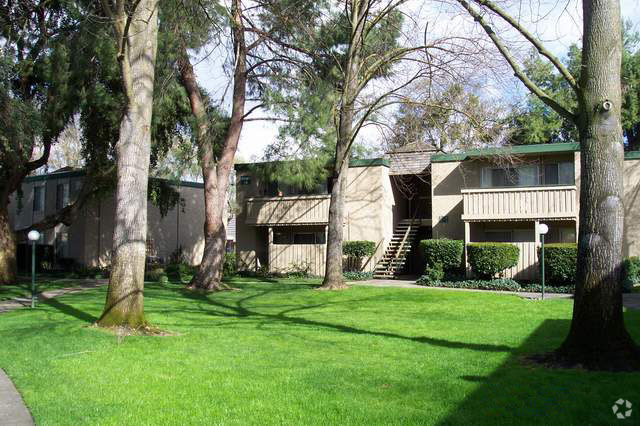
{"x":33,"y":274}
{"x":467,"y":238}
{"x":269,"y":247}
{"x":542,"y":264}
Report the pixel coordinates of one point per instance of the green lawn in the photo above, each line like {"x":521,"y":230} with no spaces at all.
{"x":279,"y":353}
{"x":23,"y":287}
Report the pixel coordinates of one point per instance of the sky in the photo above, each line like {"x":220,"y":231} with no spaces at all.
{"x":556,"y":22}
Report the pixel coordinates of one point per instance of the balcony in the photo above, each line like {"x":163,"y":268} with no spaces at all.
{"x":298,"y":210}
{"x":522,"y":203}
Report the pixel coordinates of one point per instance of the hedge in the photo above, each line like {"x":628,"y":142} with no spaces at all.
{"x":357,"y":276}
{"x":503,"y":284}
{"x":489,"y":259}
{"x":355,"y":252}
{"x":630,"y":272}
{"x":560,"y":262}
{"x":448,"y":253}
{"x":358,"y":249}
{"x":229,"y":268}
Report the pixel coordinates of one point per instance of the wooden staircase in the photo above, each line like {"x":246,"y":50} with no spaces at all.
{"x":395,"y":257}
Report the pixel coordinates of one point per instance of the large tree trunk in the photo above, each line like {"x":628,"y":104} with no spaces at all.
{"x":7,"y":247}
{"x":216,"y":174}
{"x":124,"y":303}
{"x":333,"y":278}
{"x":598,"y":338}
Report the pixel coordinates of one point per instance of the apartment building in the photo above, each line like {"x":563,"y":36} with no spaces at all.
{"x":88,"y":240}
{"x":493,"y":194}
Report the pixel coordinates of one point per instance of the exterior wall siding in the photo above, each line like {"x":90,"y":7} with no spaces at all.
{"x":90,"y":236}
{"x":369,"y":215}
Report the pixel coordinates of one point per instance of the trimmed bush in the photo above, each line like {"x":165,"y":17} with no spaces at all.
{"x":448,"y":253}
{"x":358,"y":248}
{"x":630,"y":273}
{"x":433,"y":273}
{"x":229,"y":266}
{"x":560,"y":262}
{"x":357,"y":276}
{"x":355,"y":252}
{"x":490,"y":259}
{"x":155,"y":274}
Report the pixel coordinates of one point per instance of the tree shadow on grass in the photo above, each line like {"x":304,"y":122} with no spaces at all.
{"x":70,"y":310}
{"x":521,"y":393}
{"x":239,"y":309}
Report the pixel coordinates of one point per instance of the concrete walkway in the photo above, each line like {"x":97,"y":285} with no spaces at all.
{"x":630,"y":300}
{"x":13,"y":412}
{"x":81,"y":285}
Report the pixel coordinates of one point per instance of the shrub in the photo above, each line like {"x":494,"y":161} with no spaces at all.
{"x":154,"y":274}
{"x":358,"y":248}
{"x":433,"y":273}
{"x":560,"y":262}
{"x":355,"y":251}
{"x":489,"y":259}
{"x":503,"y":284}
{"x":630,"y":273}
{"x":298,"y":270}
{"x":448,"y":253}
{"x":357,"y":276}
{"x":180,"y":271}
{"x":229,"y":266}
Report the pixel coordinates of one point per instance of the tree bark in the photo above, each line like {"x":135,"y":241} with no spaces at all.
{"x":216,"y":173}
{"x":8,"y":265}
{"x":333,"y":278}
{"x":598,"y":338}
{"x":124,"y":303}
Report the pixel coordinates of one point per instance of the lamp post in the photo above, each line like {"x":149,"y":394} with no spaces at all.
{"x":33,"y":236}
{"x":542,"y":230}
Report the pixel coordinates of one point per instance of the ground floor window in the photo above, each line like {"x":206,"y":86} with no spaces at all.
{"x":299,"y":235}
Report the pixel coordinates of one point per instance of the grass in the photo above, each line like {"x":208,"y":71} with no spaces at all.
{"x":277,"y":352}
{"x":22,"y":289}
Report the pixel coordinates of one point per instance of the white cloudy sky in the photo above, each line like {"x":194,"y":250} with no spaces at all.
{"x":557,"y":22}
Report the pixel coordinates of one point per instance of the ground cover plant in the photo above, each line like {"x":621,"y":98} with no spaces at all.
{"x":278,"y":352}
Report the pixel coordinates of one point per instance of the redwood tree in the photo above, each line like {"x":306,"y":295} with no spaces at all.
{"x":597,"y":338}
{"x":135,"y":27}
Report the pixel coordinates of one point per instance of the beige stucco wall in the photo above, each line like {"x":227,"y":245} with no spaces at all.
{"x":90,"y":236}
{"x":369,"y":205}
{"x":181,"y":227}
{"x":631,"y":241}
{"x":448,"y":178}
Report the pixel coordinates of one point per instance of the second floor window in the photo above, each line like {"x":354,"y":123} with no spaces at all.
{"x":38,"y":198}
{"x":526,"y":175}
{"x":560,"y":173}
{"x":62,"y":195}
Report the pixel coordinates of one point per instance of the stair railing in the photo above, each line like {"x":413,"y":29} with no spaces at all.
{"x":404,"y":239}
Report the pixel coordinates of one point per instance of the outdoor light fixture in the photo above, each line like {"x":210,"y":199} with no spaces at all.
{"x":33,"y":236}
{"x":542,"y":230}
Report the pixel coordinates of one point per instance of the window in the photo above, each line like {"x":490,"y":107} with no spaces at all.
{"x":298,"y":237}
{"x":497,"y":236}
{"x":38,"y":198}
{"x":526,"y":175}
{"x":559,"y":173}
{"x":304,"y":238}
{"x":62,"y":195}
{"x":279,"y":189}
{"x":282,"y":237}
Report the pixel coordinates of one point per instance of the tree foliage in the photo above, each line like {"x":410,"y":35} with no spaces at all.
{"x":535,"y":122}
